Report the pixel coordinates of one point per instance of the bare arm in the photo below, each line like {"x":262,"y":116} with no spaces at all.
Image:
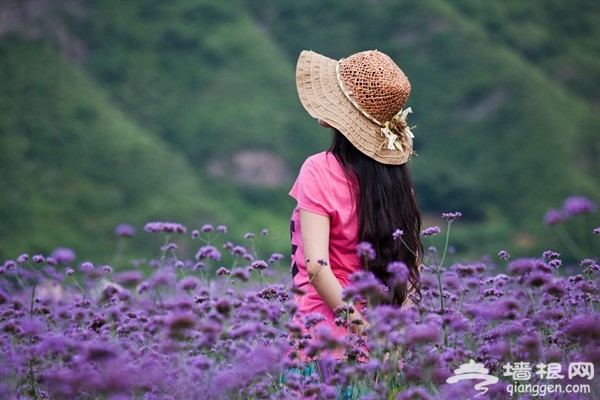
{"x":315,"y":240}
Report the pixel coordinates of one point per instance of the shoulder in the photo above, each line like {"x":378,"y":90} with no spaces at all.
{"x":323,"y":159}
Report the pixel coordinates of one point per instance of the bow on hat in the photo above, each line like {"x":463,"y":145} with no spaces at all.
{"x":398,"y":124}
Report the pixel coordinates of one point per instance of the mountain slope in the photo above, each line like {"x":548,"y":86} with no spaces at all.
{"x":76,"y":166}
{"x":496,"y":138}
{"x":128,"y":111}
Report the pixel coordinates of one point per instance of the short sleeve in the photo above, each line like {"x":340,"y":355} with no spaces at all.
{"x":312,"y":186}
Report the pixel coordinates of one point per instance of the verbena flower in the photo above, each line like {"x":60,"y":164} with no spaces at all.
{"x":503,"y":255}
{"x":259,"y":264}
{"x":86,"y":266}
{"x":399,"y":272}
{"x":549,"y":254}
{"x":577,"y":205}
{"x":365,"y":250}
{"x":189,"y":283}
{"x":209,"y":252}
{"x":275,"y":257}
{"x":124,"y":230}
{"x":537,"y":279}
{"x":553,"y":217}
{"x":185,"y":330}
{"x":431,"y":231}
{"x":129,"y":278}
{"x":63,"y":255}
{"x":167,"y":227}
{"x":312,"y":319}
{"x":450,"y":217}
{"x":242,"y":274}
{"x":397,"y":233}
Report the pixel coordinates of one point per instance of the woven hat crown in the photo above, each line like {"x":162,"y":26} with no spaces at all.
{"x":375,"y":83}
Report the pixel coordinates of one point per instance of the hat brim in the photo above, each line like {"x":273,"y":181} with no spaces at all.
{"x":322,"y":97}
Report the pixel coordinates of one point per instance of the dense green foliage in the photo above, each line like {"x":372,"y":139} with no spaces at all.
{"x":117,"y":112}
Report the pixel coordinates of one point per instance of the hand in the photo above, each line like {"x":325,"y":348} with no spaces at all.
{"x":357,"y":323}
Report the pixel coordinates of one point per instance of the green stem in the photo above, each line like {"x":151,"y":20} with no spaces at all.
{"x":33,"y":294}
{"x":446,"y":244}
{"x":530,"y":294}
{"x":571,"y":245}
{"x":439,"y":279}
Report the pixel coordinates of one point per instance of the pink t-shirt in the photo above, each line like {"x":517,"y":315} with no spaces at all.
{"x":322,"y":188}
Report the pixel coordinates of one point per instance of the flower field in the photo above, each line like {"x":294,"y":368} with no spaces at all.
{"x":222,"y":325}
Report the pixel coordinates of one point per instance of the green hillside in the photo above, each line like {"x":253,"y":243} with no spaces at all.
{"x":125,"y":112}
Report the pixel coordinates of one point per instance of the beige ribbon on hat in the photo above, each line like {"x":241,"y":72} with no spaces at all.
{"x":389,"y":126}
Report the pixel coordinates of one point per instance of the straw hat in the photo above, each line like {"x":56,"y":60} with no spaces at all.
{"x":363,"y":97}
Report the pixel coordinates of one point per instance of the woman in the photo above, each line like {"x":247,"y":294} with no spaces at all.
{"x":359,"y":193}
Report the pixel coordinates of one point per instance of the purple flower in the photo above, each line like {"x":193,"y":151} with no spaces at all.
{"x":312,"y":319}
{"x":555,"y":263}
{"x":210,"y":252}
{"x":97,"y":352}
{"x":167,"y":227}
{"x":70,"y":271}
{"x":397,"y":233}
{"x":577,"y":205}
{"x":168,"y":247}
{"x":275,"y":257}
{"x":365,"y":283}
{"x":221,"y":228}
{"x":590,"y":265}
{"x":124,"y":230}
{"x":249,"y":235}
{"x":63,"y":255}
{"x":264,"y":232}
{"x":189,"y":283}
{"x":422,"y":333}
{"x":22,"y":258}
{"x":399,"y":272}
{"x":207,"y":228}
{"x":523,"y":266}
{"x":555,"y":288}
{"x":549,"y":254}
{"x":537,"y":279}
{"x":365,"y":250}
{"x":553,"y":217}
{"x":433,"y":230}
{"x":242,"y":274}
{"x":583,"y":328}
{"x":223,"y":271}
{"x":597,"y":231}
{"x":195,"y":234}
{"x":237,"y":250}
{"x":181,"y":321}
{"x":86,"y":266}
{"x":129,"y":278}
{"x":451,"y":216}
{"x":414,"y":394}
{"x":503,"y":255}
{"x":259,"y":264}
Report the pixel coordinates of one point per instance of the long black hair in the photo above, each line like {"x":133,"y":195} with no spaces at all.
{"x":386,"y":202}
